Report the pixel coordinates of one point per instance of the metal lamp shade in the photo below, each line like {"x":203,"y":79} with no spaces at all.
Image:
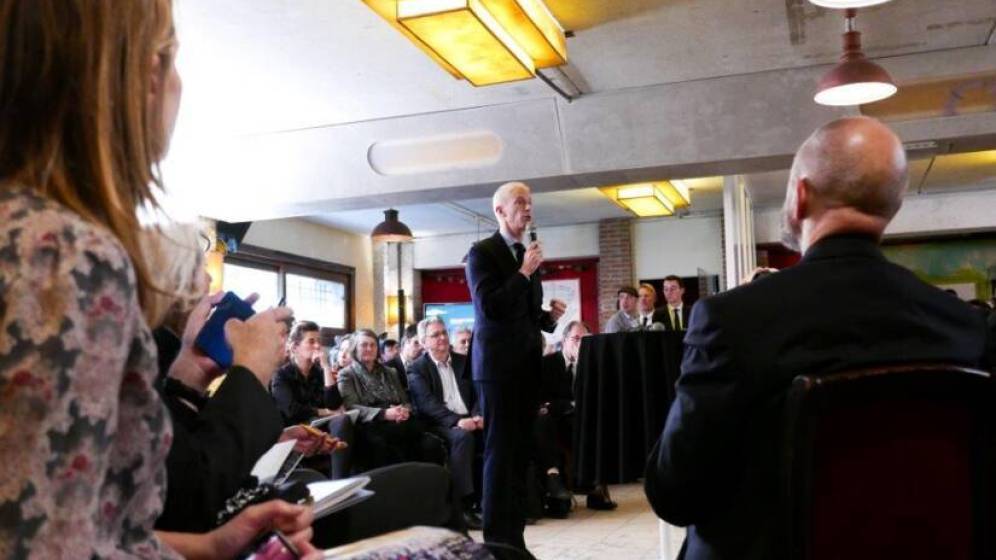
{"x":855,"y":80}
{"x":391,"y":229}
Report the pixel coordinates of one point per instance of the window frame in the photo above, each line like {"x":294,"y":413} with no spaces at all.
{"x":283,"y":263}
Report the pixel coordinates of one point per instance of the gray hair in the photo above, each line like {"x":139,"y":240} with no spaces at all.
{"x":356,"y":336}
{"x":423,"y":326}
{"x":504,"y":192}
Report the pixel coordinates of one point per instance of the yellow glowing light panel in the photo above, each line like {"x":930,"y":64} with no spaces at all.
{"x":388,"y":10}
{"x":467,"y":37}
{"x":676,"y":192}
{"x":533,"y":27}
{"x":645,"y":200}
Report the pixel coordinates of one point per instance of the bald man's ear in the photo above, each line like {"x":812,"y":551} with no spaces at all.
{"x":803,"y":200}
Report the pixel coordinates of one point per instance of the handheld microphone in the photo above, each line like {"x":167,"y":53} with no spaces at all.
{"x":532,"y":232}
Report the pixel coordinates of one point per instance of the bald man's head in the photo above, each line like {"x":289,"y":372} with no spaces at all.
{"x":854,"y":163}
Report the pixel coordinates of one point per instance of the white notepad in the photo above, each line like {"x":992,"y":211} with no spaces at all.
{"x":332,"y":495}
{"x":267,"y":467}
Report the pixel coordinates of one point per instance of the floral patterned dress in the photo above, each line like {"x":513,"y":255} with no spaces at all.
{"x":83,"y":434}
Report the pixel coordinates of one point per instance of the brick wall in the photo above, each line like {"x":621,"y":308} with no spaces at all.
{"x":615,"y":263}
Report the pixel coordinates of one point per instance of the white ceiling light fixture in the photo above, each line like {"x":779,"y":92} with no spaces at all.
{"x":845,"y":4}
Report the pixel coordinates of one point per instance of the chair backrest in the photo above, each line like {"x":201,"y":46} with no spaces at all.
{"x":891,"y":462}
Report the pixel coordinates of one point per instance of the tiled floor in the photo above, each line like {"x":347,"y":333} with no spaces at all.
{"x":630,"y":532}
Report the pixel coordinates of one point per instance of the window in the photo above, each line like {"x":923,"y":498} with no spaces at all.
{"x":318,"y":300}
{"x":244,"y":280}
{"x":316,"y":290}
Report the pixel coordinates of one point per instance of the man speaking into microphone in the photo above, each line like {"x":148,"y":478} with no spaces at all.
{"x":506,"y":355}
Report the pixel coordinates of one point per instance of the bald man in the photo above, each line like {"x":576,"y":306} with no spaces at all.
{"x":843,"y":306}
{"x":506,"y":356}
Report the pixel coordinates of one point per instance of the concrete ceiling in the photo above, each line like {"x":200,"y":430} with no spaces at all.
{"x":932,"y":175}
{"x":284,"y":99}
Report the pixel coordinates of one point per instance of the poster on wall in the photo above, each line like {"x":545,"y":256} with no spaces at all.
{"x":568,"y":291}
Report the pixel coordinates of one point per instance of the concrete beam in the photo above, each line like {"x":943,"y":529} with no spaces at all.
{"x":729,"y":125}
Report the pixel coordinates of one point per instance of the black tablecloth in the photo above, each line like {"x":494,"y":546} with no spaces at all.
{"x":624,"y":389}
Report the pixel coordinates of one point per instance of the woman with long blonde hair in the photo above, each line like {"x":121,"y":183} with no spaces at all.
{"x":88,"y":97}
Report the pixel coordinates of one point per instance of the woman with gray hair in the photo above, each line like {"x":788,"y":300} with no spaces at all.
{"x":387,"y":431}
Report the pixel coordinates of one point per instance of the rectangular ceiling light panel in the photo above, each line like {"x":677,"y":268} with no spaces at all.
{"x":676,"y":192}
{"x":467,"y":37}
{"x":644,"y":200}
{"x":533,"y":27}
{"x":388,"y":10}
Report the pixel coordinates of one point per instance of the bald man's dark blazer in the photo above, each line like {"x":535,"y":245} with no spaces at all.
{"x":843,"y":306}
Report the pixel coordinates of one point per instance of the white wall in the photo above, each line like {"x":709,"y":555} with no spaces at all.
{"x":564,"y":242}
{"x":677,"y":246}
{"x":926,"y":214}
{"x":307,"y":239}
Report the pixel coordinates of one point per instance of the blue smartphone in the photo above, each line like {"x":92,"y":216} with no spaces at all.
{"x":211,"y":340}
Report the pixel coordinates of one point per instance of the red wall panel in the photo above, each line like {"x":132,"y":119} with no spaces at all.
{"x":450,"y":285}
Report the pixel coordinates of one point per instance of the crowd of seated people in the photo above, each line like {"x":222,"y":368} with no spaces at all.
{"x":443,"y":393}
{"x":387,"y":429}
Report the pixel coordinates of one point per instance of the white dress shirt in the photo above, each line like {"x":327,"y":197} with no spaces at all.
{"x":645,"y":320}
{"x":451,"y":391}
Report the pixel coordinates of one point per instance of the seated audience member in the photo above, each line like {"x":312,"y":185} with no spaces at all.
{"x":388,"y":350}
{"x":216,"y":444}
{"x":843,"y":306}
{"x":386,"y":433}
{"x":443,"y":393}
{"x":646,"y":307}
{"x":305,"y":390}
{"x":674,"y":315}
{"x":409,"y":351}
{"x":217,"y":440}
{"x":337,"y":359}
{"x":300,"y":386}
{"x":461,"y":340}
{"x":554,"y":427}
{"x":89,"y":96}
{"x":626,"y":319}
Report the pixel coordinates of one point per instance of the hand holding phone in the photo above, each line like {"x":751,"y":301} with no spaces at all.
{"x":258,"y":343}
{"x":275,"y":546}
{"x":211,"y":339}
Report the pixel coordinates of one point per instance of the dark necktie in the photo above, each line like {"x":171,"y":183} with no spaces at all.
{"x":646,"y":321}
{"x":520,"y":251}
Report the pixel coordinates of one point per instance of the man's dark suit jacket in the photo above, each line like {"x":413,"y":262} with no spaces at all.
{"x":427,"y":390}
{"x":557,"y":387}
{"x":663,"y":315}
{"x":843,"y":306}
{"x":508,"y":316}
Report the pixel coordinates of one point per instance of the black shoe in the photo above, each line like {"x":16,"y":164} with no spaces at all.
{"x":599,"y":501}
{"x":555,"y":488}
{"x":473,"y":521}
